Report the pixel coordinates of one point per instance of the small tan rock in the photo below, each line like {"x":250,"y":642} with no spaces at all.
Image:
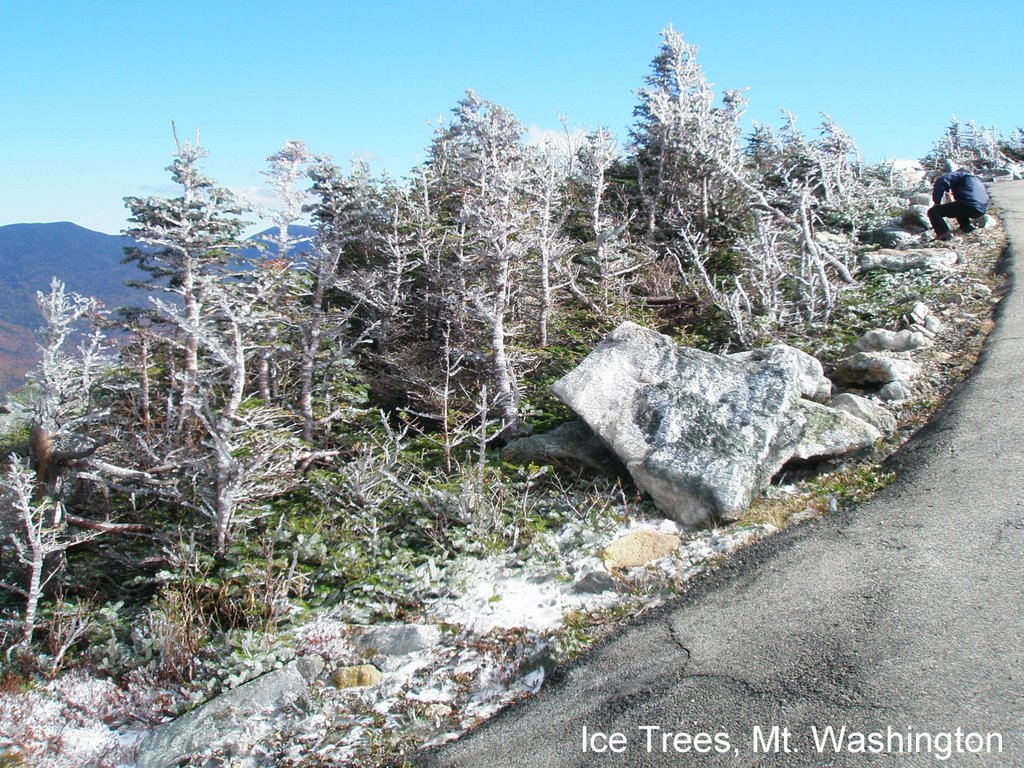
{"x":639,"y":548}
{"x":362,"y":676}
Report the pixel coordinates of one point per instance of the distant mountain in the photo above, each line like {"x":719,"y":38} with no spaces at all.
{"x":89,"y":263}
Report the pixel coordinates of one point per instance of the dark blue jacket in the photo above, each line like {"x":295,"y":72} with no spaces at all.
{"x":966,"y":189}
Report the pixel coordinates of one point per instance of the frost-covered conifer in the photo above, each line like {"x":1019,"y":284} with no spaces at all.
{"x":247,"y":451}
{"x":285,"y":169}
{"x":479,"y":171}
{"x":682,"y":145}
{"x":182,"y":238}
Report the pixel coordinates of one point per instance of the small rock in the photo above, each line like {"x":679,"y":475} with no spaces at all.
{"x":922,"y":330}
{"x":918,"y":314}
{"x":892,"y":236}
{"x":933,"y":324}
{"x":896,"y":392}
{"x":866,"y":410}
{"x":393,"y":639}
{"x":916,"y":216}
{"x":594,"y":583}
{"x":980,"y":290}
{"x":437,"y":712}
{"x":881,"y":340}
{"x":361,"y":676}
{"x":571,"y":443}
{"x":935,"y":259}
{"x":831,"y":239}
{"x":639,"y":548}
{"x":922,"y":199}
{"x":832,"y":432}
{"x":874,"y":368}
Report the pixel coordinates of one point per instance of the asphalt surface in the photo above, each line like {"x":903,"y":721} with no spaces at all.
{"x":901,"y":620}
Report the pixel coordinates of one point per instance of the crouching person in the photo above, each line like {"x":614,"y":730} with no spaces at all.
{"x":970,"y":201}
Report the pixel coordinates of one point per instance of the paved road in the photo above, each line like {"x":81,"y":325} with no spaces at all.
{"x":905,"y":614}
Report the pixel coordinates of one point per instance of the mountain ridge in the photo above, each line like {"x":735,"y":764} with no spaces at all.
{"x":88,"y":262}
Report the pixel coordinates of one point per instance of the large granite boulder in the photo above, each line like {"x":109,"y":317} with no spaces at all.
{"x":814,"y":385}
{"x":702,"y":434}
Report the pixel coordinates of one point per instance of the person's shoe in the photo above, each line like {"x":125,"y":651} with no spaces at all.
{"x":967,"y":230}
{"x":943,"y":236}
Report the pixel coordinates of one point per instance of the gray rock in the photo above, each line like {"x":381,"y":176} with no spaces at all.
{"x":896,"y":392}
{"x":866,"y":410}
{"x":916,"y":216}
{"x":233,"y":721}
{"x":831,"y":240}
{"x":831,"y":432}
{"x":873,"y":368}
{"x":892,"y":236}
{"x":392,"y":639}
{"x":814,"y":385}
{"x":571,"y":443}
{"x":594,"y":583}
{"x":923,"y":320}
{"x":881,"y":340}
{"x":980,"y":290}
{"x":700,"y":433}
{"x":933,"y":259}
{"x":922,"y":199}
{"x":919,"y":313}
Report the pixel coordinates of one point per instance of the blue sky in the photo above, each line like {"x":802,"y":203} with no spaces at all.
{"x":89,"y":89}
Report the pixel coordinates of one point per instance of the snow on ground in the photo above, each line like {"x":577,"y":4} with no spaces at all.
{"x":499,"y":614}
{"x":503,"y":592}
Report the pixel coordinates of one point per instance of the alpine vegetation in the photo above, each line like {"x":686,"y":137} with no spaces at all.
{"x":325,"y":481}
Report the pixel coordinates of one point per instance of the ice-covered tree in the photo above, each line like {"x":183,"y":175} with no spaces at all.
{"x":247,"y":451}
{"x":480,"y":170}
{"x":285,"y":172}
{"x":37,"y":530}
{"x":550,"y":243}
{"x":967,"y":145}
{"x":346,"y":214}
{"x":182,"y":238}
{"x":682,"y":144}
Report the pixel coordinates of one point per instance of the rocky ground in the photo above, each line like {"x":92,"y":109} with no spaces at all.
{"x":348,"y":695}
